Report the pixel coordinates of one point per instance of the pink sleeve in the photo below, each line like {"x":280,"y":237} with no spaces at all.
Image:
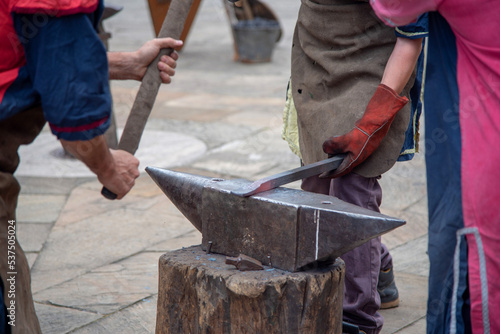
{"x":401,"y":12}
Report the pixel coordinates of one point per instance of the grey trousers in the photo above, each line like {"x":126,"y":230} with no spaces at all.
{"x":20,"y":129}
{"x":363,"y":264}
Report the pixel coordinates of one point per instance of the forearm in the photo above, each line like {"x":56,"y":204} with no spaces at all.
{"x":401,"y":63}
{"x":94,"y":153}
{"x":115,"y":169}
{"x":123,"y":66}
{"x":133,"y":65}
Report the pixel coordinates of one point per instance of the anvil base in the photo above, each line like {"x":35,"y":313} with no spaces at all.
{"x":199,"y":293}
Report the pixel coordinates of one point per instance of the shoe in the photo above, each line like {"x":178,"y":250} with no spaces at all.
{"x":348,"y":328}
{"x":389,"y":295}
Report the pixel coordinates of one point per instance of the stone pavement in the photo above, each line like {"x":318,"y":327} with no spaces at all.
{"x":94,"y":261}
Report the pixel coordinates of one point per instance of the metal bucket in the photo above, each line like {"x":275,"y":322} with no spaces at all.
{"x":255,"y":39}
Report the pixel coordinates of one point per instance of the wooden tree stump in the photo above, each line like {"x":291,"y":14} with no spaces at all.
{"x":199,"y":293}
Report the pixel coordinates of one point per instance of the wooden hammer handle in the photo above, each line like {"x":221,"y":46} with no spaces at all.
{"x":146,"y":96}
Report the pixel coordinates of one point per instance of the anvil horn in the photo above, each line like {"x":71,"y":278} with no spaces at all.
{"x":289,"y":228}
{"x":184,"y":190}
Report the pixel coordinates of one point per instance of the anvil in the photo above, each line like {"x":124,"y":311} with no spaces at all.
{"x":287,"y":228}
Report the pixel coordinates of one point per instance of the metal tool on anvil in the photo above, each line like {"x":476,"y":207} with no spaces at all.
{"x":146,"y":96}
{"x":289,"y":228}
{"x":276,"y":180}
{"x":244,"y":263}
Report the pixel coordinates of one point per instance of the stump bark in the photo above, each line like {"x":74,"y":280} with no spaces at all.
{"x":199,"y":293}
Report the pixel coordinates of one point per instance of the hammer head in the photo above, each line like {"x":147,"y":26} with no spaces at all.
{"x":291,"y":228}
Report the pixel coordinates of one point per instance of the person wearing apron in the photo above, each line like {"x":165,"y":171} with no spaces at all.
{"x":339,"y":55}
{"x":478,"y":80}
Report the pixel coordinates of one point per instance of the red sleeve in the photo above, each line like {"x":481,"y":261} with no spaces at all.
{"x":53,"y":7}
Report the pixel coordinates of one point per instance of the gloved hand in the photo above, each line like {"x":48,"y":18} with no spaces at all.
{"x":368,"y":131}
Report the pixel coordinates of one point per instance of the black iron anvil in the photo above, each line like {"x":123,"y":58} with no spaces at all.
{"x":290,"y":228}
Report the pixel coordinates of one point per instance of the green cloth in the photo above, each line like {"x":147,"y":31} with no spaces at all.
{"x":290,"y":131}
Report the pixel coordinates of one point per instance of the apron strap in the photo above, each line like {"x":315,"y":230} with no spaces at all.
{"x":484,"y":279}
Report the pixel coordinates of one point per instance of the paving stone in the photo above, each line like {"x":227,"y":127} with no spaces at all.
{"x":49,"y":185}
{"x":86,"y":201}
{"x":189,"y":239}
{"x":204,"y":107}
{"x":287,"y":161}
{"x":412,"y":169}
{"x":124,"y":97}
{"x":145,"y":188}
{"x":76,"y":246}
{"x":213,"y":134}
{"x":419,"y":207}
{"x":144,"y":196}
{"x":246,"y":158}
{"x":109,"y":288}
{"x":57,"y":320}
{"x":404,"y":184}
{"x":236,"y":79}
{"x":157,"y":148}
{"x":235,"y":163}
{"x":31,"y":237}
{"x":139,"y":318}
{"x":417,"y":327}
{"x":31,"y":257}
{"x":412,"y":257}
{"x":415,"y":227}
{"x":256,"y":118}
{"x":45,"y":157}
{"x":39,"y":208}
{"x":412,"y":307}
{"x":192,"y":112}
{"x":166,"y":213}
{"x":197,"y":171}
{"x":399,"y":195}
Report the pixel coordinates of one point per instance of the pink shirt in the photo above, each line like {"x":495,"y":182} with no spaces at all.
{"x":476,"y":24}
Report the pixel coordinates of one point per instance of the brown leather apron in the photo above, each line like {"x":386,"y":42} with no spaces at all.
{"x":340,"y":49}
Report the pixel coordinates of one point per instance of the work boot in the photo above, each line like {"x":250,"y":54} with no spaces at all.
{"x":389,"y":295}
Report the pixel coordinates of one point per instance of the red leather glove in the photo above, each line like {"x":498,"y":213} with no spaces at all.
{"x":368,"y":132}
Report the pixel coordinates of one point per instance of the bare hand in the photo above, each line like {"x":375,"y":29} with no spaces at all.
{"x":133,"y":65}
{"x":115,"y":169}
{"x":121,"y":177}
{"x":167,"y":64}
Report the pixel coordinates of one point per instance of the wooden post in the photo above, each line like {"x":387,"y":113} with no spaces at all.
{"x":199,"y":293}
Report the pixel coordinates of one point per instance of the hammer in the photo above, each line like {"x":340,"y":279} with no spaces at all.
{"x":146,"y":96}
